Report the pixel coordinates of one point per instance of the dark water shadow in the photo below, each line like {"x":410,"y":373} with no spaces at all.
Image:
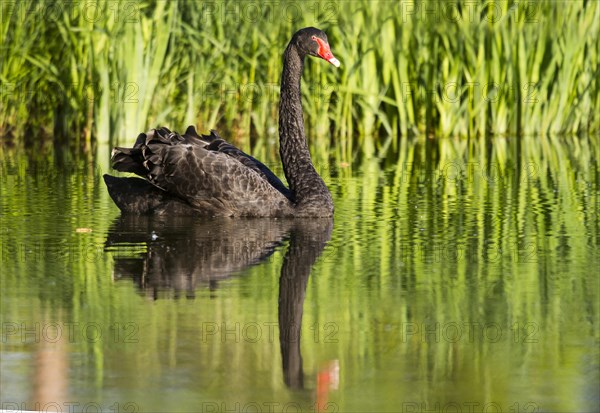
{"x":181,"y":254}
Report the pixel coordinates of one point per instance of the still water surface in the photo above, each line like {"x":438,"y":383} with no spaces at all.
{"x":460,"y":276}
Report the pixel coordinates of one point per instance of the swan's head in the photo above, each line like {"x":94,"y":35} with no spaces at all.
{"x":314,"y":42}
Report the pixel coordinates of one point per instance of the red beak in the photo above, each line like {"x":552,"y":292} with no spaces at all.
{"x":325,"y":52}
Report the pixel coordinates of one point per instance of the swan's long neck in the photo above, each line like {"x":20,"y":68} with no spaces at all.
{"x":305,"y":183}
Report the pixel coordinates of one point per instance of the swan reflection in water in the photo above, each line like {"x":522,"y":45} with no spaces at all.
{"x":180,"y":254}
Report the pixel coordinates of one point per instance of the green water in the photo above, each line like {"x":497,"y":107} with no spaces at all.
{"x":460,"y":276}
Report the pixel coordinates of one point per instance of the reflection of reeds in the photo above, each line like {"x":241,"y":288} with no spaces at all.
{"x":51,"y":368}
{"x":522,"y":215}
{"x":529,"y":69}
{"x":469,"y":235}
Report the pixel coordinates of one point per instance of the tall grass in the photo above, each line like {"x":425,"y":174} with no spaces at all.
{"x":97,"y":71}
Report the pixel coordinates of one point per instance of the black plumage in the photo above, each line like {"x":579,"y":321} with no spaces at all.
{"x":205,"y":175}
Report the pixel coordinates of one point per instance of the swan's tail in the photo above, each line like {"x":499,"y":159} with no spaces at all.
{"x":138,"y":196}
{"x":134,"y":159}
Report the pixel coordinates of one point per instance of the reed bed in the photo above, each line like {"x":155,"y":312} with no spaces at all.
{"x":100,"y":71}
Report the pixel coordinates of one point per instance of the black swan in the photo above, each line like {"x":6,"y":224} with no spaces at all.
{"x":204,"y":175}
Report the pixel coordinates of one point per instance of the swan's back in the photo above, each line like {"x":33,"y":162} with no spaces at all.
{"x":204,"y":172}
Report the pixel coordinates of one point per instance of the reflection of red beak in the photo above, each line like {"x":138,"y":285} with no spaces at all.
{"x":325,"y":52}
{"x":328,"y":378}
